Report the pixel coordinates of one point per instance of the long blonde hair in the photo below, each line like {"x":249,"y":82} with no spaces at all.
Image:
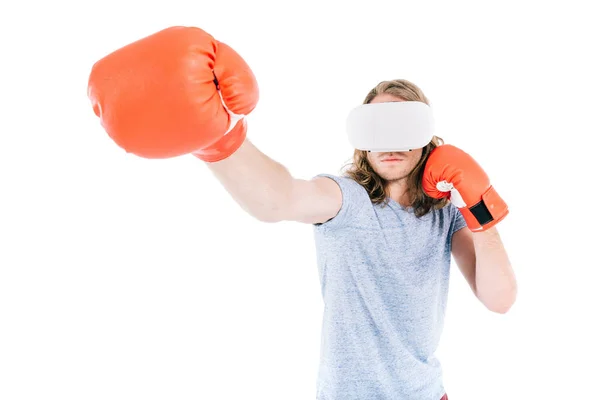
{"x":361,"y":171}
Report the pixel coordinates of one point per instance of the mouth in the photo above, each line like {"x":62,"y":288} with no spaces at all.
{"x":391,"y":159}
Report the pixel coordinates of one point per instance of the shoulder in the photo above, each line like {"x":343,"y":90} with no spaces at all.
{"x":348,"y":186}
{"x":341,"y":180}
{"x":354,"y":198}
{"x":455,"y":219}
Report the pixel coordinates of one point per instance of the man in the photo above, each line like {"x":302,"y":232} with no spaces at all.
{"x":385,"y":231}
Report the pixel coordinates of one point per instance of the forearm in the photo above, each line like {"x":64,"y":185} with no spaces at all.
{"x":260,"y":185}
{"x":496,"y":284}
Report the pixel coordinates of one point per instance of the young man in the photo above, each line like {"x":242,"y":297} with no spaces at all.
{"x":385,"y":231}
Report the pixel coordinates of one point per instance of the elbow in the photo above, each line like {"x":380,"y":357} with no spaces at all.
{"x":502,"y":302}
{"x":501,"y":308}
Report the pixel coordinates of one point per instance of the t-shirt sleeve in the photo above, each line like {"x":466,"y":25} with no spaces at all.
{"x":353,"y":195}
{"x":458,"y":221}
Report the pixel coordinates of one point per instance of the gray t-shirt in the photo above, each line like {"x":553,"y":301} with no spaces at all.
{"x":384,"y":277}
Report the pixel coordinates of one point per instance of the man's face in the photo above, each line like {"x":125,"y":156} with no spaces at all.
{"x":393,"y":166}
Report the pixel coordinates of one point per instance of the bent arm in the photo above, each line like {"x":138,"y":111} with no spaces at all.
{"x":496,"y":281}
{"x":483,"y":261}
{"x":265,"y":189}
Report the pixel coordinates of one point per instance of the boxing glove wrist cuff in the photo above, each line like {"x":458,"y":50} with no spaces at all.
{"x":486,"y":213}
{"x":225,"y":146}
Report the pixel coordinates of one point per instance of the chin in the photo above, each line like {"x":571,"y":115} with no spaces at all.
{"x":394,"y":176}
{"x":391,"y":177}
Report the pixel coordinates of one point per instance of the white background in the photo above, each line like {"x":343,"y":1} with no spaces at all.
{"x":125,"y":278}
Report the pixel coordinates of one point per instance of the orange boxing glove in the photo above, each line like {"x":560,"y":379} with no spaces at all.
{"x":178,"y":91}
{"x":452,"y":173}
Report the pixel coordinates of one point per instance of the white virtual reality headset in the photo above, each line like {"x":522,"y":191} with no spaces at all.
{"x":390,"y":126}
